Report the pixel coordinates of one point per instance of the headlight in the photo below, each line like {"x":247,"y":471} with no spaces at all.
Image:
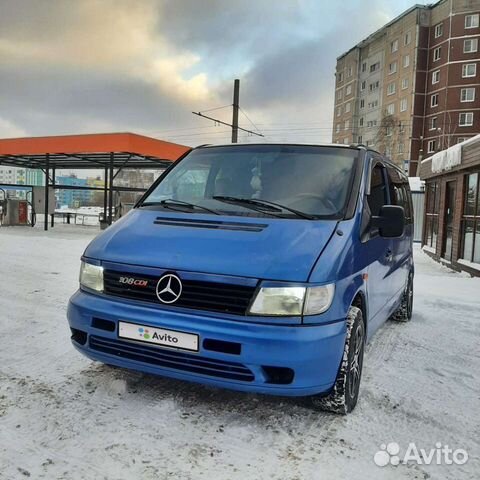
{"x":293,"y":301}
{"x":91,"y":276}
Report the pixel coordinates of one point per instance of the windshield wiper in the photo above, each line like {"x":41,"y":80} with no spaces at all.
{"x":171,"y":203}
{"x":264,"y":204}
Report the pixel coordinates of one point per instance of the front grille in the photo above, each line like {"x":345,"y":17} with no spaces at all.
{"x":197,"y":295}
{"x":172,"y":359}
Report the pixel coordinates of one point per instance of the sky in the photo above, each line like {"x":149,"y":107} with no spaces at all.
{"x":89,"y":66}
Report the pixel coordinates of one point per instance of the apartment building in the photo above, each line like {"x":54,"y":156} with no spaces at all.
{"x":12,"y":175}
{"x":69,"y":197}
{"x":411,"y":88}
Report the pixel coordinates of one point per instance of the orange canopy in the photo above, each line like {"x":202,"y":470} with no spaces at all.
{"x":79,"y":151}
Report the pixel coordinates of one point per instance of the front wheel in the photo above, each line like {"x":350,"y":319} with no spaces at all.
{"x":344,"y":394}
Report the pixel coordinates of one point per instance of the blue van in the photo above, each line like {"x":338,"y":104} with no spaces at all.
{"x":260,"y":267}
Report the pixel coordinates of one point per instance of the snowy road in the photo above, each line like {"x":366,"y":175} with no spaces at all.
{"x":64,"y":417}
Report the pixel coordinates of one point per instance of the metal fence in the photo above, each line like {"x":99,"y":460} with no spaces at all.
{"x":418,"y":199}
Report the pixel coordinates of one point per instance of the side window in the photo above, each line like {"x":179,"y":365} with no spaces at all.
{"x":400,"y":193}
{"x":378,"y":190}
{"x":409,"y":204}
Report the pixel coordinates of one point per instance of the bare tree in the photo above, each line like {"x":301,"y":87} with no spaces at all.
{"x":388,"y":135}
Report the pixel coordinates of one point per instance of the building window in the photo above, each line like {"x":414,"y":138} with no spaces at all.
{"x":361,"y":121}
{"x":471,"y":21}
{"x":433,"y":123}
{"x":349,"y":72}
{"x":406,"y":61}
{"x":374,"y":86}
{"x":394,"y":46}
{"x":348,"y":90}
{"x":402,"y":127}
{"x":362,"y":103}
{"x":408,"y":38}
{"x":391,"y":88}
{"x":435,"y":77}
{"x":434,"y":100}
{"x":471,"y":219}
{"x":400,"y":148}
{"x":438,"y":30}
{"x":374,"y":67}
{"x":389,"y":131}
{"x":364,"y":66}
{"x":404,"y":83}
{"x":391,"y":109}
{"x":339,"y":95}
{"x":340,"y":77}
{"x":470,"y":45}
{"x":465,"y":119}
{"x":432,"y":191}
{"x":339,"y":111}
{"x":469,"y":70}
{"x":403,"y":105}
{"x":347,"y":107}
{"x":392,"y":68}
{"x":431,"y":146}
{"x":363,"y":86}
{"x":467,"y":95}
{"x":360,"y":139}
{"x":436,"y":54}
{"x":337,"y":129}
{"x":345,"y":141}
{"x":347,"y":125}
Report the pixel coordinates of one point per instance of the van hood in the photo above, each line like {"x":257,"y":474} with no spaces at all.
{"x":264,"y":248}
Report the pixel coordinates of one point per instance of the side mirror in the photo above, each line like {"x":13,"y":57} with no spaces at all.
{"x":390,"y":222}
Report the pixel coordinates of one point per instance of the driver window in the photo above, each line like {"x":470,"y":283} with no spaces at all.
{"x":378,"y":190}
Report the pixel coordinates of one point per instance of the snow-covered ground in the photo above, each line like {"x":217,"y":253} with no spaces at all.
{"x":65,"y":417}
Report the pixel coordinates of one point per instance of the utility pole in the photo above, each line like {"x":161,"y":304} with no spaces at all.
{"x":236,"y":108}
{"x":236,"y":101}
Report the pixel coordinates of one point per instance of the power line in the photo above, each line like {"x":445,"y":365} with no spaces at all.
{"x":227,"y":124}
{"x":216,"y":108}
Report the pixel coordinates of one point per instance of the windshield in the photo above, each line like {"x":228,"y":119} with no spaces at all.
{"x":258,"y":180}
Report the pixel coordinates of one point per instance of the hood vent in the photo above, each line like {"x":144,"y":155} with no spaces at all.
{"x":213,"y":224}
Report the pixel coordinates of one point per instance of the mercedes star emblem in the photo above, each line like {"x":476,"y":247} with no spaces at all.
{"x":169,"y":288}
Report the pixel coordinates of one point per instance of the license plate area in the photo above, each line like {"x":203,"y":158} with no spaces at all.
{"x":162,"y":337}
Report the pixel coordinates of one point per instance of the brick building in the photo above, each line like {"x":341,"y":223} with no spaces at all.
{"x":412,"y":88}
{"x":452,"y":206}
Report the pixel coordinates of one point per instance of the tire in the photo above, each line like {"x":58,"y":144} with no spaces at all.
{"x":344,"y":394}
{"x":405,"y":310}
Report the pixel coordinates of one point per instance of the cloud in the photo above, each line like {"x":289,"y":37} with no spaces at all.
{"x":9,"y":130}
{"x":143,"y":65}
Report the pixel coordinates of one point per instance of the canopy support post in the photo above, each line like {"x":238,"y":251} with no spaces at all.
{"x":47,"y":173}
{"x":110,"y":192}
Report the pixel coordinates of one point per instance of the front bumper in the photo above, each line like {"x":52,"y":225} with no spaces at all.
{"x":313,"y":353}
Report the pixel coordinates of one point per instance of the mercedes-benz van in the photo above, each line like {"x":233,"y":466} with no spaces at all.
{"x":260,"y":267}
